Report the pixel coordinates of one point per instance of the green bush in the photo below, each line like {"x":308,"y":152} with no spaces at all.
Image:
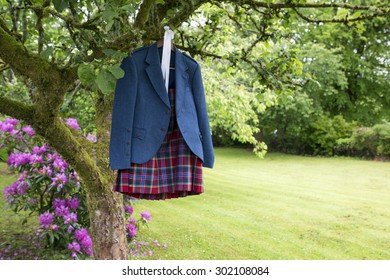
{"x":373,"y":142}
{"x":327,"y":132}
{"x":287,"y":127}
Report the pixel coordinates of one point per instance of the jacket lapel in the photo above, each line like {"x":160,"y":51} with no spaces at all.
{"x":156,"y":78}
{"x":181,"y":79}
{"x":155,"y":74}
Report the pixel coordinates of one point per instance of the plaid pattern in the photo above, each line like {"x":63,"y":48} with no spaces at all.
{"x":173,"y":172}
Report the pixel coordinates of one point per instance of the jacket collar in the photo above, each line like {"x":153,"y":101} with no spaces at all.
{"x":155,"y":74}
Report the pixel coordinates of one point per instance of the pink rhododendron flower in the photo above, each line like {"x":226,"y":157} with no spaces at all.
{"x":59,"y":202}
{"x":72,"y":123}
{"x":8,"y":125}
{"x":46,"y":219}
{"x":92,"y":138}
{"x":74,"y":246}
{"x":61,"y":211}
{"x":132,"y":230}
{"x":59,"y":180}
{"x":70,"y":218}
{"x":39,"y":150}
{"x":73,"y":203}
{"x":146,"y":215}
{"x":29,"y":130}
{"x":85,"y":240}
{"x":129,"y":210}
{"x":60,"y":164}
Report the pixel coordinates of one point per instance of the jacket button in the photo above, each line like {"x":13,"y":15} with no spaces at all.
{"x":163,"y":129}
{"x":167,"y":112}
{"x":128,"y":142}
{"x":128,"y":130}
{"x":127,"y":154}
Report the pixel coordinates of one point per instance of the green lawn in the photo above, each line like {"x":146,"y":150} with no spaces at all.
{"x":15,"y":236}
{"x":282,"y":207}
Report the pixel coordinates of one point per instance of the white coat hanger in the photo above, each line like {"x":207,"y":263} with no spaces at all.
{"x":166,"y":55}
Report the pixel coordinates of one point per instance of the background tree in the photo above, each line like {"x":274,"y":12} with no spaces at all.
{"x":344,"y":81}
{"x":362,"y":50}
{"x":53,"y":52}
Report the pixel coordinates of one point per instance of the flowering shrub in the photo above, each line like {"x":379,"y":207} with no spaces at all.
{"x":132,"y":225}
{"x":137,"y":248}
{"x":47,"y":185}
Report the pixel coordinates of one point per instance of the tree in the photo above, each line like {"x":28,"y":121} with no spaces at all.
{"x":58,"y":47}
{"x":362,"y":50}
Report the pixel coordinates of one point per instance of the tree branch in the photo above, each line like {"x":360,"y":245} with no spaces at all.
{"x":290,"y":4}
{"x":143,"y":13}
{"x":194,"y":51}
{"x":16,"y":109}
{"x":334,"y":20}
{"x":45,"y":9}
{"x":71,"y":21}
{"x":41,"y":31}
{"x":42,"y":73}
{"x":71,"y":144}
{"x":64,"y":142}
{"x":187,"y":9}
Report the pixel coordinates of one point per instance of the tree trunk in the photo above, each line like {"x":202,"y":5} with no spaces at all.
{"x":105,"y":206}
{"x":107,"y":224}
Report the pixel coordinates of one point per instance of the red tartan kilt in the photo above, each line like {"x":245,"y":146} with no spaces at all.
{"x":173,"y":172}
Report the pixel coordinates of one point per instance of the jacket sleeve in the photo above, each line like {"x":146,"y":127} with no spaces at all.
{"x":204,"y":126}
{"x":123,"y":116}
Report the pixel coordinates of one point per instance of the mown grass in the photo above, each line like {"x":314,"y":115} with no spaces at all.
{"x":281,"y":207}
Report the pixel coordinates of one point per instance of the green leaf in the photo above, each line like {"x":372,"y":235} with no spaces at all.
{"x":60,"y":5}
{"x":109,"y":52}
{"x":118,"y":55}
{"x":3,"y":154}
{"x":51,"y":235}
{"x":86,"y":74}
{"x":129,"y":8}
{"x":109,"y":25}
{"x":45,"y":54}
{"x":105,"y":81}
{"x":342,"y":13}
{"x":39,"y":179}
{"x":198,"y":45}
{"x":109,"y":14}
{"x":117,"y":71}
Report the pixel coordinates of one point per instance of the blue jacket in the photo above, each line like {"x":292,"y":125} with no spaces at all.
{"x":141,"y":111}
